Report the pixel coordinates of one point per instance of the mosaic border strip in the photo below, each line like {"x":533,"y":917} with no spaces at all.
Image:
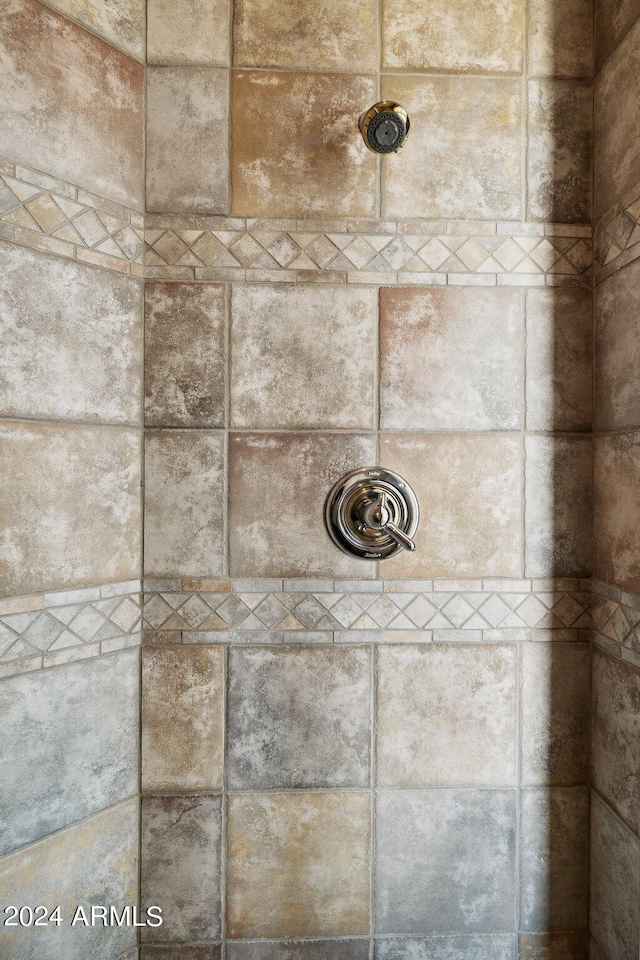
{"x":375,"y":252}
{"x":618,"y":237}
{"x":52,"y":216}
{"x":615,"y":614}
{"x":270,"y":611}
{"x":49,"y":629}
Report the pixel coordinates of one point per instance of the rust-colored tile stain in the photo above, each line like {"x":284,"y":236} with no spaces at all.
{"x":72,"y":104}
{"x":296,"y":146}
{"x":298,"y":865}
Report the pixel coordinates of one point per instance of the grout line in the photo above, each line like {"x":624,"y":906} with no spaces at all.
{"x":374,"y":774}
{"x":94,"y":33}
{"x":224,"y":806}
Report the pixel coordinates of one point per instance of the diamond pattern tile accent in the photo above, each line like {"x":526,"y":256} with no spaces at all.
{"x":48,"y":219}
{"x":619,"y":235}
{"x":70,"y":625}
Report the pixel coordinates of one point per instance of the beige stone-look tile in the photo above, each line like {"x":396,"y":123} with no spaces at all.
{"x":560,"y":142}
{"x":296,"y":147}
{"x":555,"y":713}
{"x":182,"y":718}
{"x":188,"y":32}
{"x":434,"y":730}
{"x":120,"y":22}
{"x":559,"y":359}
{"x":451,"y":359}
{"x":94,"y":862}
{"x":185,"y":354}
{"x":554,"y":862}
{"x":615,"y":753}
{"x":70,"y":506}
{"x":616,"y":528}
{"x":184,"y":503}
{"x":486,"y":36}
{"x":298,"y":865}
{"x":462,"y":157}
{"x":303,"y":356}
{"x":615,"y":884}
{"x":70,"y":340}
{"x":617,"y":118}
{"x":564,"y":945}
{"x":560,"y":36}
{"x":614,"y":19}
{"x":267,"y":470}
{"x":617,"y":347}
{"x":72,"y":104}
{"x":465,"y":947}
{"x":181,"y":951}
{"x":558,"y":505}
{"x":298,"y":950}
{"x":187,"y":140}
{"x":341,"y":35}
{"x":469,"y":489}
{"x":181,"y":866}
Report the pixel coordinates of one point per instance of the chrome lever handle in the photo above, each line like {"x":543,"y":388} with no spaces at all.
{"x":400,"y":538}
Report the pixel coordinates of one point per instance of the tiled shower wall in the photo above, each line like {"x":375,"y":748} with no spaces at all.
{"x":615,"y":831}
{"x":71,"y":348}
{"x":339,"y":760}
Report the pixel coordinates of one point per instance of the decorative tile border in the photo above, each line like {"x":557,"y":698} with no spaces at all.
{"x":46,"y":214}
{"x":378,"y":252}
{"x":615,"y":615}
{"x":45,"y":630}
{"x":618,"y":237}
{"x":361,"y":611}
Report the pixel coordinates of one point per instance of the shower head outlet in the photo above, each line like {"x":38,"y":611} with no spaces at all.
{"x":384,"y":127}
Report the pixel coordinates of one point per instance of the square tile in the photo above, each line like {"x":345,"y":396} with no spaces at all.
{"x":299,"y":950}
{"x":446,"y":715}
{"x":469,"y":490}
{"x":560,"y":34}
{"x":261,"y":467}
{"x":120,"y":22}
{"x":187,"y":140}
{"x":462,"y":157}
{"x":615,"y":884}
{"x":614,"y":19}
{"x":559,"y":358}
{"x":553,"y":946}
{"x":184,"y":503}
{"x":445,"y":861}
{"x":555,"y":713}
{"x":617,"y":115}
{"x":559,"y":161}
{"x":303,"y":356}
{"x":182,"y":718}
{"x":554,"y":861}
{"x":558,"y":505}
{"x":451,"y":358}
{"x":617,"y":347}
{"x":615,"y":733}
{"x":62,"y":120}
{"x":85,"y":482}
{"x":51,"y":779}
{"x":185,"y":354}
{"x":446,"y":948}
{"x":616,"y":528}
{"x":298,"y":865}
{"x":299,"y":717}
{"x":181,"y":951}
{"x":487,"y":37}
{"x":93,"y":862}
{"x":181,"y":866}
{"x":325,"y":169}
{"x":70,"y":340}
{"x":188,"y":32}
{"x":344,"y":37}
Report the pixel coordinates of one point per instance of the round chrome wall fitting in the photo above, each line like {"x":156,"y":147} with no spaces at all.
{"x":384,"y":127}
{"x":372,"y":514}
